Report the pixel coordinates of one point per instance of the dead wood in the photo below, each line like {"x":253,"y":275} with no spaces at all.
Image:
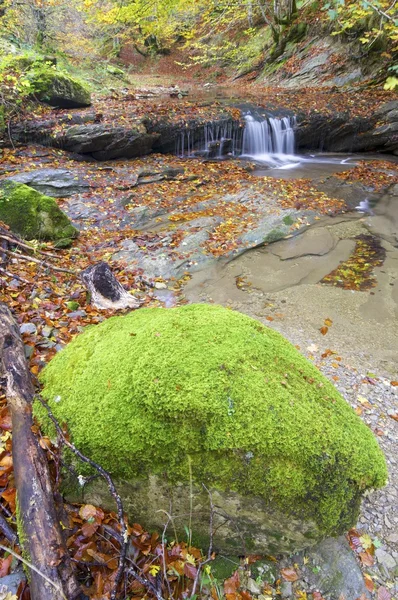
{"x":40,"y":533}
{"x":105,"y":290}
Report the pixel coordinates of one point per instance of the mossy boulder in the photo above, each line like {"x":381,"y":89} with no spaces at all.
{"x":39,"y":76}
{"x":33,"y":215}
{"x":58,"y":88}
{"x":170,"y":399}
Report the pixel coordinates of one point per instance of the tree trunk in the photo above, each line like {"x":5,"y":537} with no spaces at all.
{"x":39,"y":529}
{"x":284,"y":11}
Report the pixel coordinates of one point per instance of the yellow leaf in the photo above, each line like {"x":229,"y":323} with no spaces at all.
{"x":154,"y":570}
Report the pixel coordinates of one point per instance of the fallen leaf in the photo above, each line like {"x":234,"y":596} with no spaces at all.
{"x":370,"y":586}
{"x":289,"y":574}
{"x":366,"y":558}
{"x":328,"y":322}
{"x":383,"y":593}
{"x":231,"y":585}
{"x":394,"y":383}
{"x":324,"y":330}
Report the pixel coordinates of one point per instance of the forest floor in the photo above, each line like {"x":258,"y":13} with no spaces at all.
{"x":52,"y":308}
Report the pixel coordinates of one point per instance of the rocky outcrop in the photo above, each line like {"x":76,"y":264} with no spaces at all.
{"x":200,"y":405}
{"x":341,"y":133}
{"x":57,"y":183}
{"x":34,"y":216}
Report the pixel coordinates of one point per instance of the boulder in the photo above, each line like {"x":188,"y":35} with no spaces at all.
{"x":59,"y":89}
{"x":33,"y":215}
{"x":48,"y":83}
{"x":106,"y":142}
{"x":172,"y":400}
{"x":57,"y":183}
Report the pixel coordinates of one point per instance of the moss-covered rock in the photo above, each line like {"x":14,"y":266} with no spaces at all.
{"x":39,"y":77}
{"x":206,"y":395}
{"x":33,"y":215}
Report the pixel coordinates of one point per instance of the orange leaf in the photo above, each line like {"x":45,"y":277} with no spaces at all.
{"x":5,"y":565}
{"x":232,"y":584}
{"x":369,"y":582}
{"x":324,"y":330}
{"x":394,"y":383}
{"x":289,"y":574}
{"x":366,"y":558}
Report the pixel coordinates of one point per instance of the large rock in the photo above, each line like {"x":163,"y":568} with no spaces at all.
{"x":57,"y":183}
{"x":106,"y":142}
{"x":47,"y":82}
{"x":170,"y":400}
{"x":34,"y":216}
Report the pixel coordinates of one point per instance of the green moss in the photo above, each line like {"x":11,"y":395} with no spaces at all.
{"x":33,"y":215}
{"x":288,"y":220}
{"x":274,"y":235}
{"x":22,"y":538}
{"x":143,"y":392}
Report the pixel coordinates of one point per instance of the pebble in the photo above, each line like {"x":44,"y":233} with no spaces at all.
{"x":385,"y":559}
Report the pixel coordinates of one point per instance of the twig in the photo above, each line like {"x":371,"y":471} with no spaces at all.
{"x":29,"y":564}
{"x":112,"y":489}
{"x":39,"y":262}
{"x":17,"y":242}
{"x":17,"y":277}
{"x":8,"y":531}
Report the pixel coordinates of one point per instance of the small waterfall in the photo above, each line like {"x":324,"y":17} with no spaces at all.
{"x":270,"y":140}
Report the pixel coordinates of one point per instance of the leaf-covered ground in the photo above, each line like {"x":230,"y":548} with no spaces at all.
{"x":52,"y":307}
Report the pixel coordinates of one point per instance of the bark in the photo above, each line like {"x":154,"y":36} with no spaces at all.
{"x":106,"y":292}
{"x":40,"y":532}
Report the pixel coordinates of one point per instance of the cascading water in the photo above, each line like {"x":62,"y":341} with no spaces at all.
{"x":269,"y":140}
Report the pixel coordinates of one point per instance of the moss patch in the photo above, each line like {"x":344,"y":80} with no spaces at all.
{"x":143,"y":392}
{"x":33,"y":215}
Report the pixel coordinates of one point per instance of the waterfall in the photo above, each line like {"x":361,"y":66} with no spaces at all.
{"x":269,"y":140}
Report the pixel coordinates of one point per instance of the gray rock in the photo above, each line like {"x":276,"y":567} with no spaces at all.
{"x":385,"y":559}
{"x":252,"y":586}
{"x":338,"y":573}
{"x":10,"y":583}
{"x":28,"y":328}
{"x":286,"y":589}
{"x":57,"y":183}
{"x":105,"y":142}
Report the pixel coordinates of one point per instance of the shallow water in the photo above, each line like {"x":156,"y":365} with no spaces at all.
{"x":284,"y":277}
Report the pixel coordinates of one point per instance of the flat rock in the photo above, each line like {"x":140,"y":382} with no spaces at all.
{"x":318,"y":241}
{"x":57,"y":183}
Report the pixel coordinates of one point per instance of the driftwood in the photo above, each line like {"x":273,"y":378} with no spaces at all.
{"x":40,"y":532}
{"x":105,"y":290}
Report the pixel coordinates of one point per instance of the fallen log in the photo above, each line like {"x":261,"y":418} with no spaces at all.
{"x":39,"y":532}
{"x":105,"y":290}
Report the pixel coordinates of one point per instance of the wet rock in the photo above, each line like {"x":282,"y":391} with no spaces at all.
{"x":316,"y":241}
{"x":335,"y":571}
{"x":57,"y":183}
